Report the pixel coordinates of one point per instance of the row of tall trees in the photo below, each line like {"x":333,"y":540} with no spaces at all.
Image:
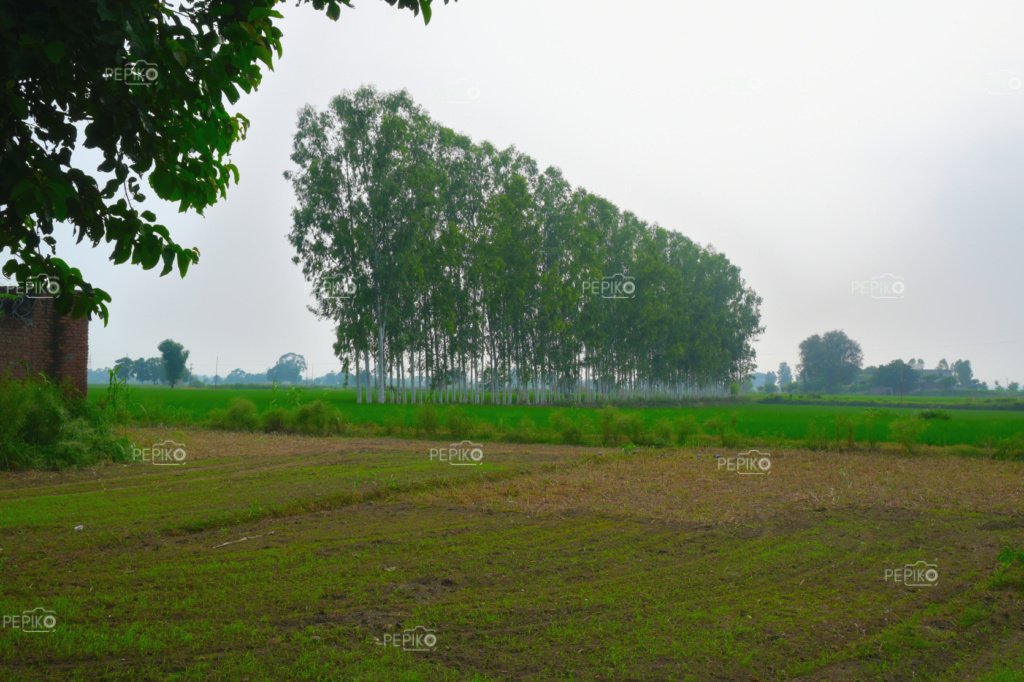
{"x":169,"y":368}
{"x":832,"y":362}
{"x":457,"y":271}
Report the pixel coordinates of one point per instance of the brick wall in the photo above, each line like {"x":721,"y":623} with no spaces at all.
{"x":34,"y":338}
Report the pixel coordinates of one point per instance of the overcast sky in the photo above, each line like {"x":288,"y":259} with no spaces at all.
{"x":817,"y":145}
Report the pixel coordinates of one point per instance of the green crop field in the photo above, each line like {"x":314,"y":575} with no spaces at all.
{"x":742,"y":422}
{"x":270,"y":557}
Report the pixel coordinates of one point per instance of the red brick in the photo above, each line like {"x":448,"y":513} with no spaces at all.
{"x":55,"y":345}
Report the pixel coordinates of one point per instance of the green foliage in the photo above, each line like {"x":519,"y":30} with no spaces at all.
{"x":289,"y":369}
{"x":934,"y":414}
{"x":276,"y":420}
{"x":724,"y":429}
{"x":315,"y":418}
{"x":845,"y":430}
{"x":427,"y":419}
{"x":287,"y":398}
{"x":686,"y":428}
{"x":241,"y":415}
{"x":758,"y":423}
{"x":318,"y":419}
{"x":152,"y":88}
{"x":45,"y":427}
{"x":525,"y":431}
{"x":662,"y":434}
{"x":459,"y":423}
{"x":1011,"y":447}
{"x":509,"y":263}
{"x":174,"y":358}
{"x":631,"y":425}
{"x":816,"y":437}
{"x":906,"y":431}
{"x":870,"y":419}
{"x":898,"y":376}
{"x":569,"y":430}
{"x":829,"y":361}
{"x":610,"y":424}
{"x":1010,"y":573}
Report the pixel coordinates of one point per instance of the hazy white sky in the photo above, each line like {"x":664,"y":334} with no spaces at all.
{"x":815,"y":144}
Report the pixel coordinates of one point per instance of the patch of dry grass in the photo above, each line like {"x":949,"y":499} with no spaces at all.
{"x":690,"y":487}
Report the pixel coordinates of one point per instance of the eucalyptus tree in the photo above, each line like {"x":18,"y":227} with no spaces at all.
{"x":364,"y":196}
{"x":467,"y":272}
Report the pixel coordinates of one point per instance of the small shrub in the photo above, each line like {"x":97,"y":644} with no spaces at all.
{"x":610,"y":423}
{"x":460,"y":424}
{"x":318,"y":419}
{"x":868,"y":419}
{"x":1010,"y":573}
{"x":934,"y":414}
{"x":816,"y":438}
{"x":485,"y":431}
{"x":1009,"y":555}
{"x":633,"y":427}
{"x":1010,"y":448}
{"x":662,"y":433}
{"x":906,"y":431}
{"x":714,"y":426}
{"x":42,"y":426}
{"x":427,"y":419}
{"x":568,"y":429}
{"x":240,"y":415}
{"x":44,"y":415}
{"x":724,"y":429}
{"x":845,"y":431}
{"x":276,"y":420}
{"x":686,"y":428}
{"x":523,"y":432}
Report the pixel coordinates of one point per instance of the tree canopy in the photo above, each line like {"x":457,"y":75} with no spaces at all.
{"x":460,"y":265}
{"x":174,"y":358}
{"x":829,"y":361}
{"x":146,"y":84}
{"x":289,"y":369}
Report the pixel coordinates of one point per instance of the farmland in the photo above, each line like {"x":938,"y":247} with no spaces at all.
{"x":977,"y":430}
{"x":285,"y":557}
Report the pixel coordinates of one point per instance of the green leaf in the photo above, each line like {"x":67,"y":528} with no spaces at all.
{"x":55,"y":51}
{"x":168,"y":257}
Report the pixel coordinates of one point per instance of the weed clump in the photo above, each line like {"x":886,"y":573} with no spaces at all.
{"x":45,"y":426}
{"x":907,"y":431}
{"x":241,"y":415}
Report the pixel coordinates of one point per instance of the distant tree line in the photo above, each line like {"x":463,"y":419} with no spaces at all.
{"x":170,"y":368}
{"x":456,"y":271}
{"x":833,"y":363}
